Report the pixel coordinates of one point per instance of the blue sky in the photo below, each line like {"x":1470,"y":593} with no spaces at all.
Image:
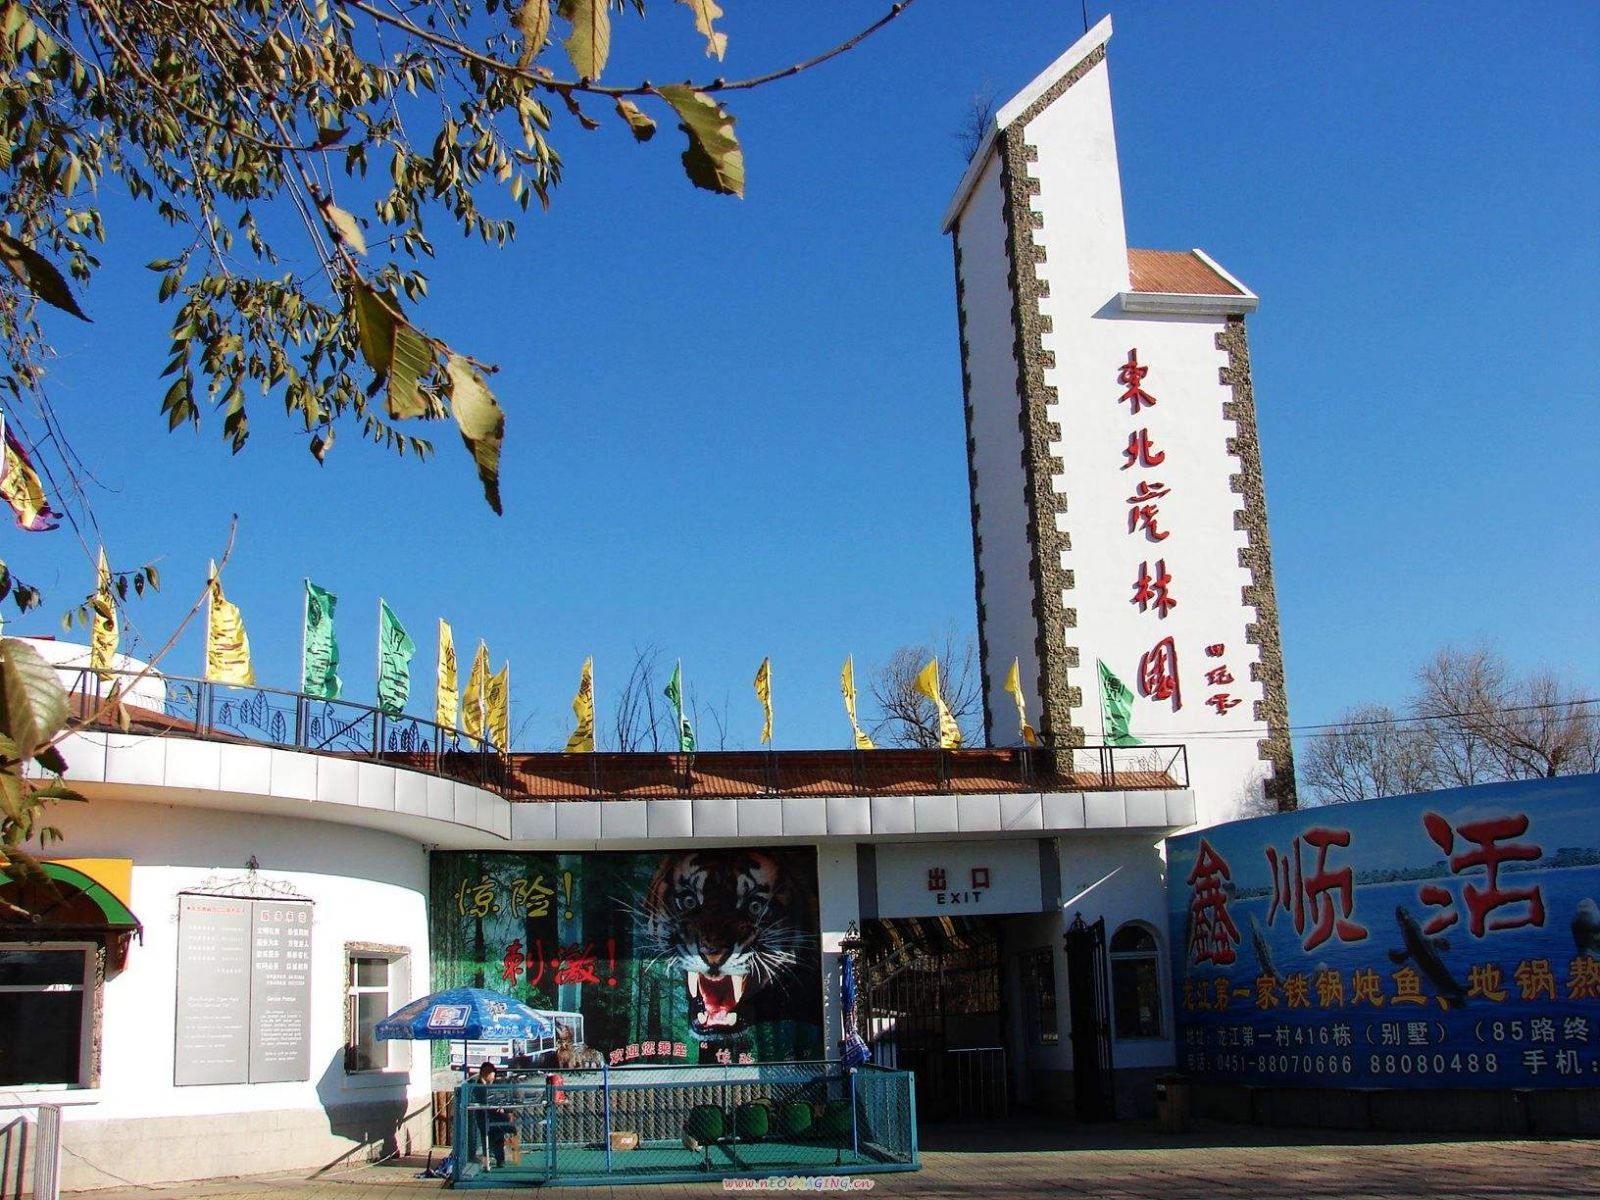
{"x":734,"y":428}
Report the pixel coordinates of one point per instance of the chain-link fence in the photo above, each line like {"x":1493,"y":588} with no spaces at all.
{"x":666,"y":1124}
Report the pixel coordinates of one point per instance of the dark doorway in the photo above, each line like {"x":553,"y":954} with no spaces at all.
{"x":1093,"y":1093}
{"x":931,"y":1003}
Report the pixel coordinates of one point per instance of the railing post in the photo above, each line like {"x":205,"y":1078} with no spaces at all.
{"x":47,"y":1153}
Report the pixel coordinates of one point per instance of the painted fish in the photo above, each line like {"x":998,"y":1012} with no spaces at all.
{"x":1258,"y":938}
{"x":1424,"y":951}
{"x":1586,"y":928}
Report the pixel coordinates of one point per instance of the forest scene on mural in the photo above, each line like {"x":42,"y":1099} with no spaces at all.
{"x":706,"y":956}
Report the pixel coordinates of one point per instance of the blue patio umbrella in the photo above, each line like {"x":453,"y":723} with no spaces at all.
{"x":466,"y":1015}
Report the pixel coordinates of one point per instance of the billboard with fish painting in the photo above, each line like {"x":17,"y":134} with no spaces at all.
{"x":690,"y":956}
{"x":1447,"y":939}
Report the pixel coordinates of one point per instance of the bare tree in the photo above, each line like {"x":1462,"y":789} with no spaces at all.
{"x":908,"y":718}
{"x":1370,"y":753}
{"x":975,"y":121}
{"x":639,"y":716}
{"x":1471,"y":721}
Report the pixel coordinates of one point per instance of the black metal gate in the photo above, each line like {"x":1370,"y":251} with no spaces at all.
{"x":931,"y":1003}
{"x":1090,"y":1008}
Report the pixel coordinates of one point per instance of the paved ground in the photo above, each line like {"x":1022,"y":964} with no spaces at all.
{"x":1125,"y":1161}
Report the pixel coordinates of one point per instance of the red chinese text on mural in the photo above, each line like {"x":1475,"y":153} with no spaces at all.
{"x":1131,"y":376}
{"x":572,"y":964}
{"x":1492,"y":839}
{"x":1154,"y":589}
{"x":1158,"y":673}
{"x":1315,"y":918}
{"x":1141,"y":451}
{"x":1212,"y":933}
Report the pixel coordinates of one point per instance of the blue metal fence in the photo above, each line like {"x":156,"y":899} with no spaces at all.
{"x":675,"y":1124}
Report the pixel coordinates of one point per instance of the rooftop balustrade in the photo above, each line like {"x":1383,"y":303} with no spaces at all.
{"x":195,"y":708}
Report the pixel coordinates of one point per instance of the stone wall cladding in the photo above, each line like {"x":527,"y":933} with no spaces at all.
{"x":1256,"y":557}
{"x":972,"y":493}
{"x":1056,"y":657}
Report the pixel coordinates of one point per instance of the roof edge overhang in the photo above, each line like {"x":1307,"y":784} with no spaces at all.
{"x":1015,"y":107}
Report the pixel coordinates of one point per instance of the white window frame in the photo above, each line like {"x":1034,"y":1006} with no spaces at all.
{"x":87,"y":1022}
{"x":1152,"y":956}
{"x":397,"y":1054}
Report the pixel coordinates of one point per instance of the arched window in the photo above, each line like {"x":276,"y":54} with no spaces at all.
{"x":1135,"y":982}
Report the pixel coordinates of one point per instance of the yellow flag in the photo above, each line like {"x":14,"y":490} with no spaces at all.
{"x":497,"y":706}
{"x":472,"y":705}
{"x":447,"y":697}
{"x":847,"y":685}
{"x":582,"y":739}
{"x":928,"y":684}
{"x":763,"y":682}
{"x":1014,"y":686}
{"x":103,"y":632}
{"x":227,"y":644}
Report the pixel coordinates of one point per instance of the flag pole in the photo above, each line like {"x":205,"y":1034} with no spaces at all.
{"x":205,"y":653}
{"x":300,"y":684}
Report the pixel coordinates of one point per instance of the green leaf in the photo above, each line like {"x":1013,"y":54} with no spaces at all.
{"x":38,"y":274}
{"x":482,"y":423}
{"x":33,"y":704}
{"x":320,"y":444}
{"x":345,"y":227}
{"x":532,"y":21}
{"x":706,"y":12}
{"x":60,"y":791}
{"x":713,"y":160}
{"x":590,"y":42}
{"x":643,"y":127}
{"x":375,"y":322}
{"x":411,"y":362}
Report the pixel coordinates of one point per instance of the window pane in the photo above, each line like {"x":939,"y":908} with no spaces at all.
{"x":28,"y":967}
{"x":1132,"y":938}
{"x":371,"y":972}
{"x":1136,"y":994}
{"x":41,"y":1035}
{"x":370,"y":1053}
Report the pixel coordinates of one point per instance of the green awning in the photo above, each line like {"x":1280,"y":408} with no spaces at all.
{"x":78,"y":902}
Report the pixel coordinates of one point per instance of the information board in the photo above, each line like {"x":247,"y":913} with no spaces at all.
{"x":1447,"y":939}
{"x":243,"y":1003}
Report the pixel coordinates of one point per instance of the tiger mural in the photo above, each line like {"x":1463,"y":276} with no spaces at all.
{"x":734,"y":922}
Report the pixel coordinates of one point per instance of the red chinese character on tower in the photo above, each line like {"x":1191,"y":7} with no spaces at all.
{"x":1142,"y":452}
{"x":1158,"y":673}
{"x":1143,"y":517}
{"x":1130,"y":376}
{"x":936,"y":879}
{"x":1148,"y":589}
{"x":1213,"y":934}
{"x":1490,"y":853}
{"x":1291,"y":885}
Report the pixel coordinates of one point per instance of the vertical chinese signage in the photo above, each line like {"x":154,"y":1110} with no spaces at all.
{"x":1155,"y":587}
{"x":1450,"y":939}
{"x":694,"y":956}
{"x":244,"y":986}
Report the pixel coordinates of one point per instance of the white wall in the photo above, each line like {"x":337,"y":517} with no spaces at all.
{"x":838,"y":904}
{"x":367,"y":887}
{"x":988,"y":354}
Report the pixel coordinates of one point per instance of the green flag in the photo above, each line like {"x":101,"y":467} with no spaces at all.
{"x":674,"y":692}
{"x":395,"y":649}
{"x":1116,"y":706}
{"x":319,"y":659}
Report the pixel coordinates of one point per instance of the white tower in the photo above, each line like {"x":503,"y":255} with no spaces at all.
{"x":1118,"y":510}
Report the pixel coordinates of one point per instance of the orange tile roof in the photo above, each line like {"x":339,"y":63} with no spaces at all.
{"x":1179,"y":272}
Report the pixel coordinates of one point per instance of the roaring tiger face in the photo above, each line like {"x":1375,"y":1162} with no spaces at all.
{"x":727,"y":920}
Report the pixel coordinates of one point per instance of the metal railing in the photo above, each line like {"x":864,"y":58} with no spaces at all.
{"x":673,"y":1124}
{"x":186,"y":707}
{"x":209,"y":711}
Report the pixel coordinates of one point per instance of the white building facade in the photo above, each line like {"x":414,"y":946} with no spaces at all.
{"x":1119,"y":513}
